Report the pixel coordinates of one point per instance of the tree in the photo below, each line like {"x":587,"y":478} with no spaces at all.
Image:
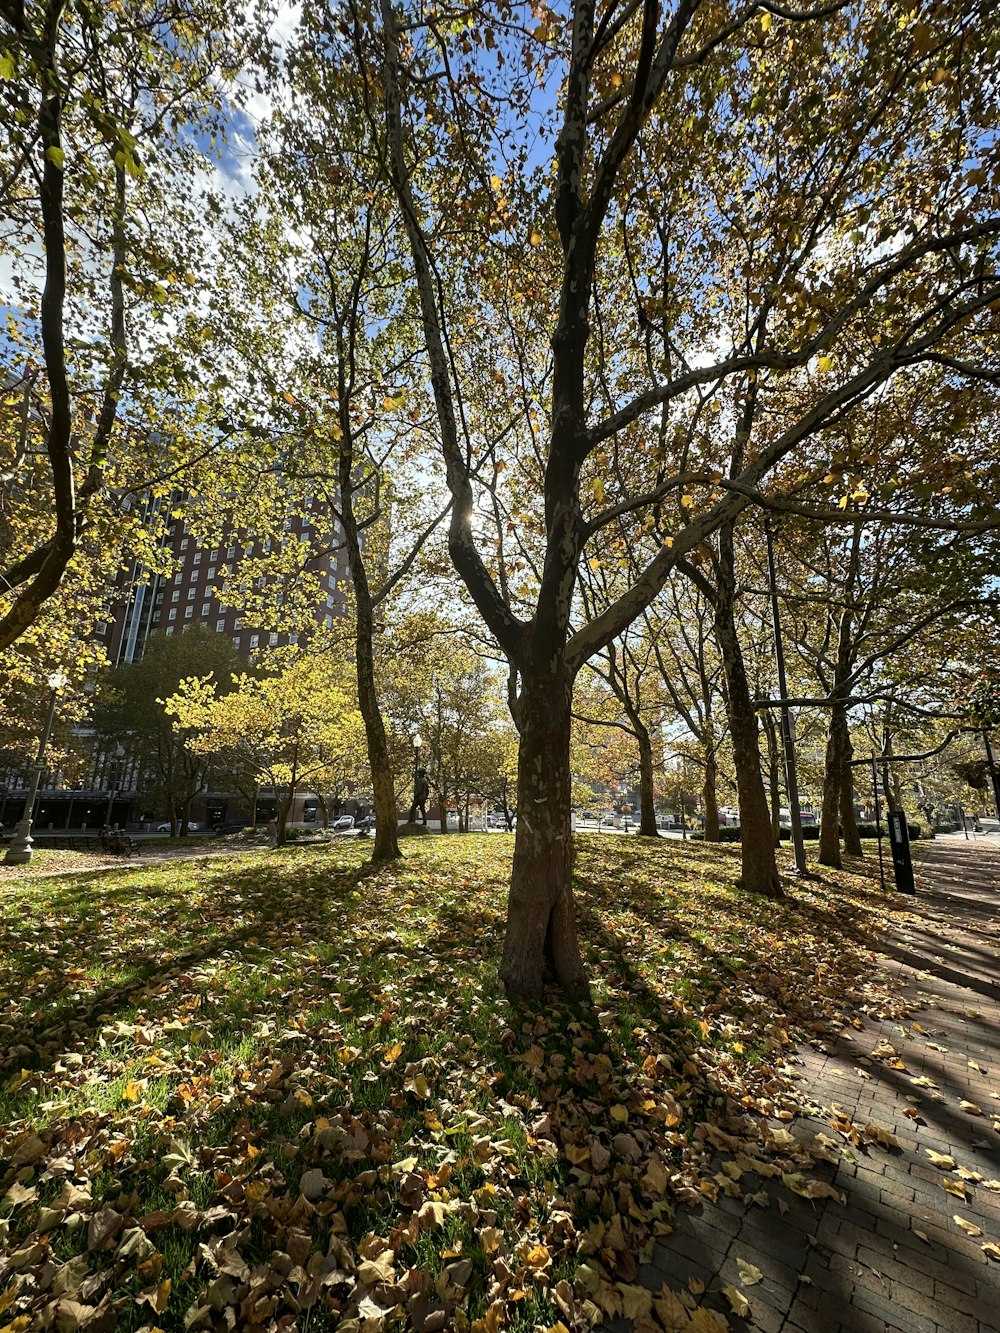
{"x":696,"y":212}
{"x":130,"y":710}
{"x":103,"y":199}
{"x":295,"y":729}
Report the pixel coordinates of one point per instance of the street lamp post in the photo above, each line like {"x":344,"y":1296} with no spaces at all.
{"x":20,"y":849}
{"x":114,"y":775}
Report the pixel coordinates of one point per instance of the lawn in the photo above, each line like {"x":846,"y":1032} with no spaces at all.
{"x":285,"y":1091}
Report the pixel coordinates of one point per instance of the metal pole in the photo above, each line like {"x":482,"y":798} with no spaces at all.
{"x":791,"y":778}
{"x":965,"y":827}
{"x":878,"y":823}
{"x":684,"y":827}
{"x":20,"y":849}
{"x":993,"y":772}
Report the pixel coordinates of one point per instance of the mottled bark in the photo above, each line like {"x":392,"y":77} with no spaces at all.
{"x":774,"y":775}
{"x":541,"y":943}
{"x":837,"y":754}
{"x":710,"y":798}
{"x":760,"y":871}
{"x":848,"y":819}
{"x":647,"y":804}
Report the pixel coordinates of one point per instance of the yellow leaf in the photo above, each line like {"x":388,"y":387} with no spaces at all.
{"x":956,"y":1187}
{"x":636,"y":1301}
{"x":922,"y":1235}
{"x":619,"y":1113}
{"x":992,"y":1250}
{"x":534,"y":237}
{"x":766,"y":21}
{"x":738,"y":1303}
{"x":970,"y":1108}
{"x":824,"y":364}
{"x":393,"y":1052}
{"x":671,"y":1312}
{"x":749,"y":1273}
{"x":941,"y":1159}
{"x":490,"y":1238}
{"x":969,"y":1228}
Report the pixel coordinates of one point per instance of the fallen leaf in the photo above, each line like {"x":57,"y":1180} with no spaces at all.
{"x":738,"y":1303}
{"x":969,"y":1228}
{"x":749,"y":1273}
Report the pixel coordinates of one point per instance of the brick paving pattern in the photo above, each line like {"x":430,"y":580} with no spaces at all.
{"x":891,"y":1259}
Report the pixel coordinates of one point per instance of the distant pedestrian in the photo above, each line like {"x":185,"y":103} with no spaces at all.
{"x":272,"y":834}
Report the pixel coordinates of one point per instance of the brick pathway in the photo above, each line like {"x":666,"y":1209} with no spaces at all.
{"x":891,"y":1259}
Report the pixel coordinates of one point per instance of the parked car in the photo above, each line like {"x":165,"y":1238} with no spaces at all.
{"x":193,"y":826}
{"x":366,"y":825}
{"x":342,"y":824}
{"x":231,"y":825}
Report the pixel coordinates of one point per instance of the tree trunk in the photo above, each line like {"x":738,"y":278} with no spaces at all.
{"x":773,"y":775}
{"x":386,"y":843}
{"x":709,"y":796}
{"x":647,"y":803}
{"x":837,"y":754}
{"x":284,"y":810}
{"x":541,"y":943}
{"x":848,"y":819}
{"x":760,"y":870}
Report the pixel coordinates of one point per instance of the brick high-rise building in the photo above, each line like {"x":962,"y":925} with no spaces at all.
{"x":205,"y":588}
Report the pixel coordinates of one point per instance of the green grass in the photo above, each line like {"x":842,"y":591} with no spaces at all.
{"x":194,"y":1042}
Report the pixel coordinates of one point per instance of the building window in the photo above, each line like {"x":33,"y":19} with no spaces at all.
{"x":328,"y":622}
{"x":206,"y":608}
{"x":230,"y":552}
{"x":184,"y":544}
{"x":188,"y":612}
{"x":215,"y":553}
{"x":211,"y":572}
{"x":329,"y":600}
{"x":236,"y":643}
{"x":254,"y":640}
{"x":191,"y":592}
{"x":220,"y":626}
{"x":173,"y":613}
{"x":239,"y":622}
{"x":197,"y":557}
{"x":175,"y":596}
{"x":273,"y":639}
{"x":170,"y":629}
{"x":156,"y":621}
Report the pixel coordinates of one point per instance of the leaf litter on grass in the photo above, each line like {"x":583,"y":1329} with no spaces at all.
{"x":288,"y":1093}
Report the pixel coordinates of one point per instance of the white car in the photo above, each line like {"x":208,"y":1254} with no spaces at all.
{"x":193,"y":827}
{"x":344,"y":822}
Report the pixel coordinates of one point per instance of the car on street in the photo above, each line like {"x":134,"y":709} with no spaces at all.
{"x":342,"y":824}
{"x":230,"y":825}
{"x":193,"y":827}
